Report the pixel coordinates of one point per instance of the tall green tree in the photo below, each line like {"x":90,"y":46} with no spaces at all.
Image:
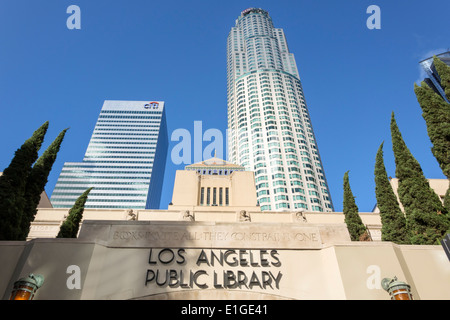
{"x":444,"y":74}
{"x":392,"y":218}
{"x":352,"y":219}
{"x":426,"y":218}
{"x":436,"y":113}
{"x":37,"y":179}
{"x":69,"y":228}
{"x":13,"y":184}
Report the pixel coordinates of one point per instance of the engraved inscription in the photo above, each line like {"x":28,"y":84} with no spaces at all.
{"x":240,"y":236}
{"x":43,"y":228}
{"x":222,"y":236}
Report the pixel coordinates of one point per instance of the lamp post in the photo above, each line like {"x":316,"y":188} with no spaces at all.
{"x":398,"y":290}
{"x":25,"y":288}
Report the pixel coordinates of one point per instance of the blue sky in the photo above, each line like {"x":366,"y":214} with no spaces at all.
{"x":175,"y":51}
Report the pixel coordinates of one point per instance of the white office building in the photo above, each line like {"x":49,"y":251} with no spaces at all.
{"x":270,"y":130}
{"x":124,"y":162}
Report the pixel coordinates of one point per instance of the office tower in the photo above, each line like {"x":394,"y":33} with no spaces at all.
{"x":433,"y":79}
{"x":270,"y":130}
{"x":124,"y":162}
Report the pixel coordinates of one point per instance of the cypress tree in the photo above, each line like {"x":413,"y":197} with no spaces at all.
{"x":436,"y":112}
{"x":392,"y":218}
{"x":13,"y":184}
{"x":444,"y":74}
{"x":354,"y":223}
{"x":69,"y":228}
{"x":426,"y":218}
{"x":36,"y":182}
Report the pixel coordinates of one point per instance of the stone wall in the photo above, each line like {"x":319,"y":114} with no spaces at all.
{"x":221,"y":260}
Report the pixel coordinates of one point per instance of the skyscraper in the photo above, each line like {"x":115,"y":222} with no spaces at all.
{"x":124,"y":162}
{"x":433,"y":80}
{"x":270,"y":130}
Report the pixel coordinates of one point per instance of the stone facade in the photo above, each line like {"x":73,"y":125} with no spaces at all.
{"x":233,"y":251}
{"x":221,"y":260}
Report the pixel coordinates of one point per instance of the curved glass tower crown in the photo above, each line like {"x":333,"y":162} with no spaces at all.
{"x":270,"y":131}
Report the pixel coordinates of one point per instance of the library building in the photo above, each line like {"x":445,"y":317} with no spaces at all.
{"x":214,"y":242}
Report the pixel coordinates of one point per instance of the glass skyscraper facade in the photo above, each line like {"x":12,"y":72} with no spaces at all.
{"x":270,"y":130}
{"x":124,"y":162}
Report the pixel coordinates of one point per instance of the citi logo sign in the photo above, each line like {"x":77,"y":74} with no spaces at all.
{"x":151,"y":105}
